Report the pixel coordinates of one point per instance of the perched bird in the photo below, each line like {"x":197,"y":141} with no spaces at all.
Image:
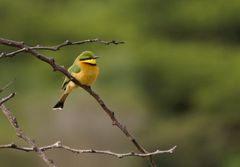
{"x":85,"y":70}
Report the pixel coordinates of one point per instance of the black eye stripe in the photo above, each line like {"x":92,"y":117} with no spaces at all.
{"x":90,"y":64}
{"x":86,"y":59}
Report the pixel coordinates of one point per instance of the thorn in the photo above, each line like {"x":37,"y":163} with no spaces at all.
{"x":16,"y":125}
{"x":93,"y":151}
{"x":55,"y":48}
{"x":2,"y":54}
{"x":172,"y":149}
{"x":51,"y":161}
{"x":125,"y":129}
{"x":35,"y":149}
{"x":114,"y":122}
{"x":18,"y":134}
{"x":58,"y":143}
{"x":52,"y":60}
{"x":113,"y":114}
{"x":68,"y":42}
{"x":13,"y":145}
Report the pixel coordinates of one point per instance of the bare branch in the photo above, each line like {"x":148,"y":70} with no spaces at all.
{"x":67,"y":43}
{"x":11,"y":54}
{"x":19,"y":132}
{"x":59,"y":145}
{"x":3,"y":100}
{"x":51,"y":48}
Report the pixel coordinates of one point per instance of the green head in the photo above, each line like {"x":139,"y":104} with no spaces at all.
{"x":87,"y":55}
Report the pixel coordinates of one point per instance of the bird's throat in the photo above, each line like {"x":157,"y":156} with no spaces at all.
{"x":91,"y":62}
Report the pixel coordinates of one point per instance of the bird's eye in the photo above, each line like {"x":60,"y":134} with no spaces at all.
{"x":86,"y":58}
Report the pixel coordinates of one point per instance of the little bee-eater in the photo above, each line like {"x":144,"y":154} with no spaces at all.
{"x":85,"y":70}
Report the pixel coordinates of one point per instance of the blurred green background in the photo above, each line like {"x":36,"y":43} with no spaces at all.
{"x":176,"y":81}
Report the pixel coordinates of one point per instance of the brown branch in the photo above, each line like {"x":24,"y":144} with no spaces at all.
{"x":32,"y":50}
{"x":59,"y":145}
{"x":52,"y":48}
{"x":5,"y":99}
{"x":67,"y":43}
{"x":19,"y":132}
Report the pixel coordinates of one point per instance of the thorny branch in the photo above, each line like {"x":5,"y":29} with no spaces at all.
{"x":33,"y":51}
{"x":59,"y":145}
{"x":19,"y":132}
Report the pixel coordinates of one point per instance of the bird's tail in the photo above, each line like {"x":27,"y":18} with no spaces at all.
{"x":60,"y":103}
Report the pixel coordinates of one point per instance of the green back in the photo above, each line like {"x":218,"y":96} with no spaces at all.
{"x":73,"y":69}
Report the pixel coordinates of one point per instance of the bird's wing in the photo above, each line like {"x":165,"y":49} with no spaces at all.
{"x":73,"y":69}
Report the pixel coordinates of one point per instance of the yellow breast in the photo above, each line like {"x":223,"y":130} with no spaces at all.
{"x":88,"y":73}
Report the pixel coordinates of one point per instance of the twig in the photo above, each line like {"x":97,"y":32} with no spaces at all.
{"x":51,"y":48}
{"x":59,"y":145}
{"x":67,"y":43}
{"x":19,"y":132}
{"x":5,"y":99}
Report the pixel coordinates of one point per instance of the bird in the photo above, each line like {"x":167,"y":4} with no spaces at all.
{"x":85,"y":70}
